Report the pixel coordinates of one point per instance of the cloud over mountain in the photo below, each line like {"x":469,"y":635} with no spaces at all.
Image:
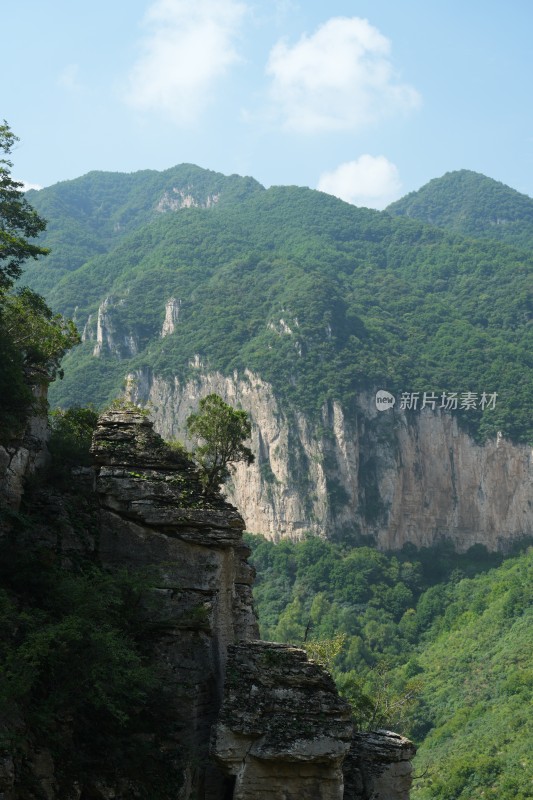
{"x":371,"y":181}
{"x":338,"y":78}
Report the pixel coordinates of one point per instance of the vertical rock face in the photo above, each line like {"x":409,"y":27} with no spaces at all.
{"x":277,"y":725}
{"x":153,"y":514}
{"x":386,"y":475}
{"x":110,"y":337}
{"x":183,"y":197}
{"x":283,"y":731}
{"x":172,"y":315}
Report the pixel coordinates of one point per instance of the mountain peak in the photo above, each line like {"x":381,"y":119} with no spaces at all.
{"x":470,"y":203}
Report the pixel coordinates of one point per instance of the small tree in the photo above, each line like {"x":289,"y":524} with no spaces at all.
{"x":223,"y":430}
{"x":41,"y":337}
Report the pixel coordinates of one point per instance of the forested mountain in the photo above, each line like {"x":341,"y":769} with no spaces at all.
{"x":472,"y":204}
{"x":90,"y":215}
{"x":318,"y":297}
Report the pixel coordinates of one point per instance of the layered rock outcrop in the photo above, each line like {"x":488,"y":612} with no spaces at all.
{"x":153,"y":514}
{"x":277,"y":725}
{"x":378,"y":767}
{"x":283,"y":731}
{"x":392,"y":476}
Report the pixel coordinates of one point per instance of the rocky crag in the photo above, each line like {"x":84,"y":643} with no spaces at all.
{"x":282,"y":731}
{"x":392,"y":476}
{"x":251,"y":719}
{"x":153,"y":513}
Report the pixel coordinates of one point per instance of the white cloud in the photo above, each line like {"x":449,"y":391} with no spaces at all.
{"x":371,"y":181}
{"x":340,"y":78}
{"x":187,"y":48}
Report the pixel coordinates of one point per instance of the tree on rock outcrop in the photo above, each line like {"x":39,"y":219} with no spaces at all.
{"x":221,"y":432}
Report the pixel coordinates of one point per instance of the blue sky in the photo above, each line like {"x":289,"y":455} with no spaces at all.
{"x":365,"y":100}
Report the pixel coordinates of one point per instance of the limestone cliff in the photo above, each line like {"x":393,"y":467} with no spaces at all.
{"x":284,"y":732}
{"x":378,"y":766}
{"x":386,"y":475}
{"x":277,"y":725}
{"x":110,"y":336}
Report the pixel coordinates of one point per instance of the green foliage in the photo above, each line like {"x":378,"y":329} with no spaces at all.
{"x":70,"y":437}
{"x":439,"y":656}
{"x":75,"y":669}
{"x":223,"y":430}
{"x":380,"y":700}
{"x":93,"y":214}
{"x":177,"y":446}
{"x":18,"y":220}
{"x":478,"y":689}
{"x":325,"y":651}
{"x":33,"y":340}
{"x":41,"y":336}
{"x":16,"y":397}
{"x":121,"y":404}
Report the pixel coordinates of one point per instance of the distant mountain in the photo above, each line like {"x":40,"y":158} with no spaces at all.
{"x":472,"y":204}
{"x":90,"y":215}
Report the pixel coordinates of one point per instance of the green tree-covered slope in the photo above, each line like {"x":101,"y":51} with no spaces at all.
{"x":320,"y":298}
{"x":446,"y":657}
{"x":472,"y":204}
{"x":478,"y":689}
{"x":90,"y":215}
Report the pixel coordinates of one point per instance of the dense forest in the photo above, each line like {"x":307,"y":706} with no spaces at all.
{"x":431,"y":643}
{"x":318,"y":297}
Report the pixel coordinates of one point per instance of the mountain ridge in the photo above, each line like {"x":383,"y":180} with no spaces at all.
{"x":375,"y":277}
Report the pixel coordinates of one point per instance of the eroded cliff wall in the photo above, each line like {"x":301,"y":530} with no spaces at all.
{"x":153,"y":513}
{"x":385,"y":475}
